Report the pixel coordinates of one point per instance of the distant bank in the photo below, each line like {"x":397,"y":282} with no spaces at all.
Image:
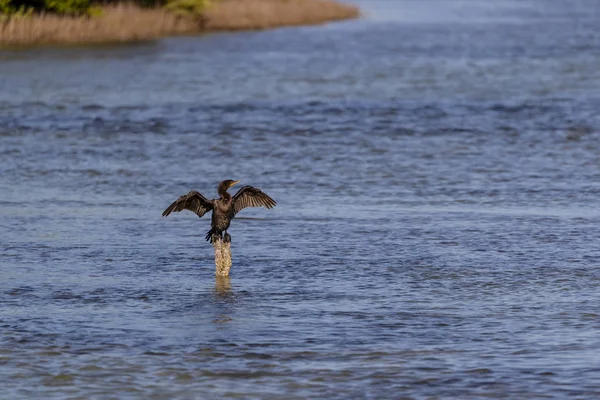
{"x":123,"y":23}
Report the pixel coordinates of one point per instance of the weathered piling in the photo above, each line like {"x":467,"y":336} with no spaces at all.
{"x":222,"y":257}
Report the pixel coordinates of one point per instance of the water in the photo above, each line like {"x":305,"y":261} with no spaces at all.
{"x":436,"y":168}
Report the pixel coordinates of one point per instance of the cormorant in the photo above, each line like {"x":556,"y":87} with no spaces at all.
{"x":224,"y":208}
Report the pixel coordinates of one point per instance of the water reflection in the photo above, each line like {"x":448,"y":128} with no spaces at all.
{"x":223,"y":286}
{"x":226,"y":298}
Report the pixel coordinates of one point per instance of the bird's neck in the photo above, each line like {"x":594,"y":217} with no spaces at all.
{"x":224,"y":195}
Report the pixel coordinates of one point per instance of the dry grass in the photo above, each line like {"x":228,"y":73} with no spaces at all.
{"x":262,"y":14}
{"x":124,"y":23}
{"x":117,"y":24}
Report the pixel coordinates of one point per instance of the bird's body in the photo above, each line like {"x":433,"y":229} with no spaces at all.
{"x":223,"y":209}
{"x":222,"y":214}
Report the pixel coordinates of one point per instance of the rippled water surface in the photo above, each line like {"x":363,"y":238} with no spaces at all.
{"x":437,"y":172}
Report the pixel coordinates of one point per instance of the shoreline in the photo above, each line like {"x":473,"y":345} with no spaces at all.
{"x":129,"y":23}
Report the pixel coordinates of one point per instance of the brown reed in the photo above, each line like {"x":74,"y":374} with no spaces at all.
{"x":118,"y":23}
{"x":126,"y":22}
{"x":233,"y":15}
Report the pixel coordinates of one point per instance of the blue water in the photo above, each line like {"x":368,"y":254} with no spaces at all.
{"x":436,"y":167}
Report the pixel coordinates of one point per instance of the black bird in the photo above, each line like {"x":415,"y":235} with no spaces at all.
{"x":224,"y":208}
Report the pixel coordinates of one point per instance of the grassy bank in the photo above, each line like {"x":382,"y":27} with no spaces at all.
{"x":262,"y":14}
{"x":121,"y":23}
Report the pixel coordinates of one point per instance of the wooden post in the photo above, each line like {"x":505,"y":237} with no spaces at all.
{"x":222,"y":257}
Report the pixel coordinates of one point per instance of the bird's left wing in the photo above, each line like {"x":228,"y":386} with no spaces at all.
{"x":193,"y":201}
{"x":249,"y":196}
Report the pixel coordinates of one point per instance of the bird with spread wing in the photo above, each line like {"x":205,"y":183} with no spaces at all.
{"x":223,"y":209}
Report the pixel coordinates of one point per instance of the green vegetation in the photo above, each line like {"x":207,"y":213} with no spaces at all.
{"x":26,"y":7}
{"x":187,"y":7}
{"x":8,"y":7}
{"x":86,"y":7}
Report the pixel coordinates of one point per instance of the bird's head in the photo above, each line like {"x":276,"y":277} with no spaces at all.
{"x":223,"y":186}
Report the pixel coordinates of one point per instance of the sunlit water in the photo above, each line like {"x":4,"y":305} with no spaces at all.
{"x":437,"y":172}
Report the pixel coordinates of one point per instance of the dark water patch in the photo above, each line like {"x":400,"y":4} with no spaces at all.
{"x":92,"y":107}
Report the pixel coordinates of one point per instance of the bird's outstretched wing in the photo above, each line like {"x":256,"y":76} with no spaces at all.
{"x":249,"y":196}
{"x":192,"y":201}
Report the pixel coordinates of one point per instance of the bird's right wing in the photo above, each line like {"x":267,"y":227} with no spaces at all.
{"x":193,"y":201}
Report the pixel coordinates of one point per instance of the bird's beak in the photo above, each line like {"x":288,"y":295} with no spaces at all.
{"x":234,"y":183}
